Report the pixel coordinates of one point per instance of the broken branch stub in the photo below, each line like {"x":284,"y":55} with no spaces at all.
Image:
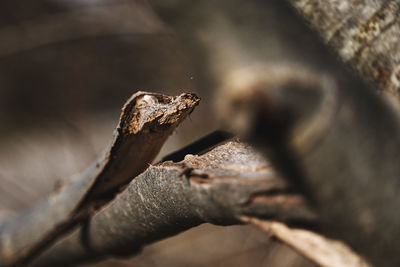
{"x":219,"y":187}
{"x":146,"y":121}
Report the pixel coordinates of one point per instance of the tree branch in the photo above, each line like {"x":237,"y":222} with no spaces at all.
{"x":146,"y":121}
{"x":346,"y":165}
{"x":323,"y":128}
{"x":320,"y":128}
{"x":364,"y":34}
{"x":218,"y":187}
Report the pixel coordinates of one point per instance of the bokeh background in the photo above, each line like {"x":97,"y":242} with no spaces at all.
{"x":66,"y":69}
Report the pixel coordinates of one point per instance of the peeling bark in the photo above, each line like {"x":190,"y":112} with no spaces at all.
{"x":218,"y":187}
{"x":146,"y":121}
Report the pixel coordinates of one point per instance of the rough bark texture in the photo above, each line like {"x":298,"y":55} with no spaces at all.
{"x":364,"y":33}
{"x":146,"y":121}
{"x":218,"y":187}
{"x":324,"y":130}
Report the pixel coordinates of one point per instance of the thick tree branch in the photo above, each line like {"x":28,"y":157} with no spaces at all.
{"x":218,"y":187}
{"x":320,"y":125}
{"x":346,"y":165}
{"x":364,"y":34}
{"x":146,"y":121}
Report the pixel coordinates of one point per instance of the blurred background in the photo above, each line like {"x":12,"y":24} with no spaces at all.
{"x":66,"y":69}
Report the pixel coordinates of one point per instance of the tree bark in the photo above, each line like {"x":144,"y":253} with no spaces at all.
{"x":218,"y":187}
{"x":325,"y":130}
{"x":321,"y":126}
{"x":337,"y":143}
{"x":146,"y":121}
{"x":365,"y":34}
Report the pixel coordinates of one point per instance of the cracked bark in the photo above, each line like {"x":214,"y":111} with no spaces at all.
{"x":146,"y":121}
{"x":218,"y":187}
